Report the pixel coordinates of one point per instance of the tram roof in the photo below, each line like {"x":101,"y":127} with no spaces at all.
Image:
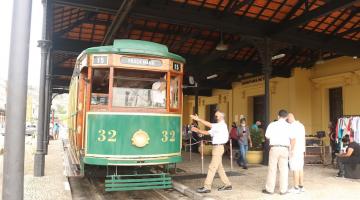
{"x":136,"y":47}
{"x":305,"y":30}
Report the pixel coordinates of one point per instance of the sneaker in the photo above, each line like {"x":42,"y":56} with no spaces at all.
{"x":340,"y":176}
{"x":294,"y":190}
{"x":222,"y":188}
{"x":266,"y":192}
{"x":284,"y":193}
{"x":302,"y":189}
{"x":203,"y":190}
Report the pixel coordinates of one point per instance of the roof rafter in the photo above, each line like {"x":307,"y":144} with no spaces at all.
{"x":308,"y":16}
{"x":246,"y":27}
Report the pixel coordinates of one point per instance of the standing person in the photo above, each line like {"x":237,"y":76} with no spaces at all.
{"x":56,"y":131}
{"x":333,"y":143}
{"x":256,"y":126}
{"x":352,"y":154}
{"x":244,"y":141}
{"x":297,"y":154}
{"x":280,"y":139}
{"x":234,"y":132}
{"x":220,"y":135}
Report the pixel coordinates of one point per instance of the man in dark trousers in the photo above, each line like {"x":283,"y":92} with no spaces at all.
{"x":352,"y":155}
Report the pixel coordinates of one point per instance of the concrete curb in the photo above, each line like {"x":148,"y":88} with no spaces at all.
{"x":189,"y":192}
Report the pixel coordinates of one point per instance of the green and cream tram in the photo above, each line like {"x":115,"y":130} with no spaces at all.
{"x":126,"y":111}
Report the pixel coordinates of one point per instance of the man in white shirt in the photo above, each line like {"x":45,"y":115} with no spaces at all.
{"x":220,"y":135}
{"x":297,"y":154}
{"x":280,"y":139}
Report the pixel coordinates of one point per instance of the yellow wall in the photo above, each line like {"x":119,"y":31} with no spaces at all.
{"x":305,"y":94}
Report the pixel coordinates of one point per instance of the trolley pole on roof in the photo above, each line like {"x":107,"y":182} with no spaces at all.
{"x":13,"y":171}
{"x":39,"y":158}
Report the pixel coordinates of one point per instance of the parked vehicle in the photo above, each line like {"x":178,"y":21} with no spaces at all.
{"x":2,"y":130}
{"x":30,"y":129}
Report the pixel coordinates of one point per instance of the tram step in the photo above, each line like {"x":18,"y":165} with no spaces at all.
{"x":137,"y":182}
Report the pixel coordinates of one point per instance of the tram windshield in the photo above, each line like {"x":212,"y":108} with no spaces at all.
{"x":143,"y":89}
{"x":100,"y":86}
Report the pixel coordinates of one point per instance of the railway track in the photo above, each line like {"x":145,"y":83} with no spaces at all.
{"x":86,"y":188}
{"x":93,"y":189}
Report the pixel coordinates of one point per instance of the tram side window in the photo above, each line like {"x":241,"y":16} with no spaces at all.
{"x":142,"y":89}
{"x":100,"y":87}
{"x":174,"y":91}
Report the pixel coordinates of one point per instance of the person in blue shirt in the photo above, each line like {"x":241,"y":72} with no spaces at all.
{"x":256,"y":126}
{"x":56,"y":131}
{"x":244,"y":140}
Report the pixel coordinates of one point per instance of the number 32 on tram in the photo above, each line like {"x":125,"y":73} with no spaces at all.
{"x":126,"y":105}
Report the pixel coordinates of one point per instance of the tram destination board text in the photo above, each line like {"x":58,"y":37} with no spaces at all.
{"x":141,"y":61}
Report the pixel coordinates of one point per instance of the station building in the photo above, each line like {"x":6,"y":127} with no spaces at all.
{"x":316,"y":96}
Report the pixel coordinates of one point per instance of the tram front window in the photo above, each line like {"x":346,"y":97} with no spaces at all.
{"x":142,"y":89}
{"x":174,"y":91}
{"x":100,"y":87}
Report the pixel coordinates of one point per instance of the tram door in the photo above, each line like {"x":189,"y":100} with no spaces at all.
{"x":335,"y":104}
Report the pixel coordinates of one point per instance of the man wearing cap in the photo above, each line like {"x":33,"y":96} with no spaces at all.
{"x":220,"y":136}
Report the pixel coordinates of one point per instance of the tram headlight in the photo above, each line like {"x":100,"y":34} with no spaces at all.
{"x":140,"y":138}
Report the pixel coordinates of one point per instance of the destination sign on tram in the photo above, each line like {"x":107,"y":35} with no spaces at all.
{"x":100,"y":60}
{"x":141,"y":61}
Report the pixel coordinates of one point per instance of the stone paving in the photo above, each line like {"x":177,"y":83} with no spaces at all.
{"x":319,"y":181}
{"x":54,"y":184}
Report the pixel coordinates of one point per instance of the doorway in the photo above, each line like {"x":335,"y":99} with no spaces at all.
{"x":210,"y":113}
{"x":258,"y":108}
{"x":335,"y":104}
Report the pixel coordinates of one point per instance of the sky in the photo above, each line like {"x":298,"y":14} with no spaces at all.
{"x":34,"y":53}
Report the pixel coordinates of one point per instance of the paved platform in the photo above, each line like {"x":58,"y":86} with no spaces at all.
{"x":54,"y":185}
{"x":320,"y":181}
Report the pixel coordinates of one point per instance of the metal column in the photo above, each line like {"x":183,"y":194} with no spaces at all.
{"x":13,"y":170}
{"x":48,"y":101}
{"x":39,"y":159}
{"x":196,"y":107}
{"x":267,"y":73}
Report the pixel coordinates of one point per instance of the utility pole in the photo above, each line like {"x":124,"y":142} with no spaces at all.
{"x":13,"y":171}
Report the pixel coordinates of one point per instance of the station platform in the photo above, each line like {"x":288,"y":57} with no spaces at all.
{"x":54,"y":185}
{"x":319,"y":180}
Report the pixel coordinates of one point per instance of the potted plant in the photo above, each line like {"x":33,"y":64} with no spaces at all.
{"x":255,"y":153}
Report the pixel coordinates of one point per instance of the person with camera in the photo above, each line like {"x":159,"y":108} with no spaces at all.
{"x":244,"y":140}
{"x":220,"y":135}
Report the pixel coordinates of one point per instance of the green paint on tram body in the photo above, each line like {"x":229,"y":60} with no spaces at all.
{"x":112,"y":136}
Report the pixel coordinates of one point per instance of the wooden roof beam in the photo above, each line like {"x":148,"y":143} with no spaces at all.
{"x":91,"y":5}
{"x":308,"y":16}
{"x":72,"y":45}
{"x":248,"y":27}
{"x":62,"y":71}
